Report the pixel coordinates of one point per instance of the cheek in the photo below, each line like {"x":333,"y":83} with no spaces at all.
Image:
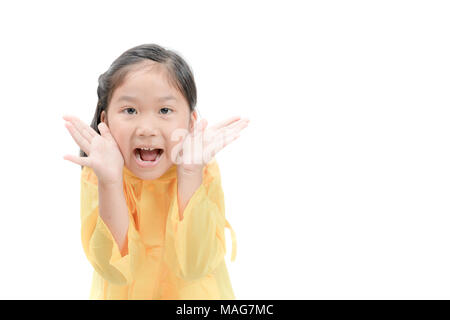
{"x":121,"y":136}
{"x":169,"y":143}
{"x":174,"y":135}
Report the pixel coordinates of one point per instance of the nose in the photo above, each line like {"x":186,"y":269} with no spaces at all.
{"x":147,"y":127}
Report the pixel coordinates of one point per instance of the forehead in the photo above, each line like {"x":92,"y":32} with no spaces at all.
{"x":149,"y":82}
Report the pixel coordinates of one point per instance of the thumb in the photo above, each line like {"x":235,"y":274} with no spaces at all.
{"x":104,"y":130}
{"x":200,"y":126}
{"x":204,"y":124}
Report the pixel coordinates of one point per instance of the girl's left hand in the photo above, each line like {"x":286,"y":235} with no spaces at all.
{"x":202,"y":144}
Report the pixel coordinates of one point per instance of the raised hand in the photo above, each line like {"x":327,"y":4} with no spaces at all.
{"x":104,"y":155}
{"x":202,"y":144}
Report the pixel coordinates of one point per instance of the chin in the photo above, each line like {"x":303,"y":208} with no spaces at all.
{"x":152,"y":173}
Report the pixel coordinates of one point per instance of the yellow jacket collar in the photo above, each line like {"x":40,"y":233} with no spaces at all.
{"x":170,"y":174}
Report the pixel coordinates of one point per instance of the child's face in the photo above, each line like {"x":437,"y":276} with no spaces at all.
{"x":146,"y":120}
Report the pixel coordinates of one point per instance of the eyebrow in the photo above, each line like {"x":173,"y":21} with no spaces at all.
{"x":134,"y":99}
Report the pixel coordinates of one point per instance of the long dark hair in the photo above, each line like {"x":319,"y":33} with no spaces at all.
{"x":179,"y":72}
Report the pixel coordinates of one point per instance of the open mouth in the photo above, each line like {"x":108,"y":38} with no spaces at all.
{"x":148,"y":156}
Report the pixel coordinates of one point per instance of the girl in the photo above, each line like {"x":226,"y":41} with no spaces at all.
{"x":152,"y":205}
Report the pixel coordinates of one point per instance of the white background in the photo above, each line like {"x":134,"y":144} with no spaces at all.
{"x":338,"y":188}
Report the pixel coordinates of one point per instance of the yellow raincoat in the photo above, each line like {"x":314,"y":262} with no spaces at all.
{"x":167,"y":259}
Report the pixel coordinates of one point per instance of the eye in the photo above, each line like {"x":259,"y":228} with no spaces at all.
{"x":129,"y":108}
{"x":165,"y":110}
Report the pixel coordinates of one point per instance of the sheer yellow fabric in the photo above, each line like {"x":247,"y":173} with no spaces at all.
{"x":167,"y":258}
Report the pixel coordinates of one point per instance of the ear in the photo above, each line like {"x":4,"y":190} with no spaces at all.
{"x":103,"y":117}
{"x":193,"y":120}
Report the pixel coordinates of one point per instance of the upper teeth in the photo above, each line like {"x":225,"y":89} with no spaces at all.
{"x":148,"y":149}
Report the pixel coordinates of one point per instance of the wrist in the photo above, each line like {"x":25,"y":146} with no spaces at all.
{"x":112,"y":185}
{"x":190,"y":172}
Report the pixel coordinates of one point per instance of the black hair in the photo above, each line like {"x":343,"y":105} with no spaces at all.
{"x":180,"y":76}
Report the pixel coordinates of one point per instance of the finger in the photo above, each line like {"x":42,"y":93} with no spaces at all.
{"x":82,"y":161}
{"x":226,"y":122}
{"x":230,"y":139}
{"x":225,"y":142}
{"x":194,"y":127}
{"x":238,"y":124}
{"x":224,"y":139}
{"x":234,"y":128}
{"x":177,"y":153}
{"x":201,"y":126}
{"x":204,"y":124}
{"x":221,"y":143}
{"x":79,"y":139}
{"x":83,"y":128}
{"x":104,"y":130}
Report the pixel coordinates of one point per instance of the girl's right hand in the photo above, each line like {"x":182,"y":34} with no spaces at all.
{"x":104,"y":155}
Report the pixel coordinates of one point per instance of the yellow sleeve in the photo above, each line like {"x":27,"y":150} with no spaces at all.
{"x":195,"y":246}
{"x":98,"y":243}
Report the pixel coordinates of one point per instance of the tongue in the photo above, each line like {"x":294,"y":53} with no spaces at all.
{"x":148,"y":155}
